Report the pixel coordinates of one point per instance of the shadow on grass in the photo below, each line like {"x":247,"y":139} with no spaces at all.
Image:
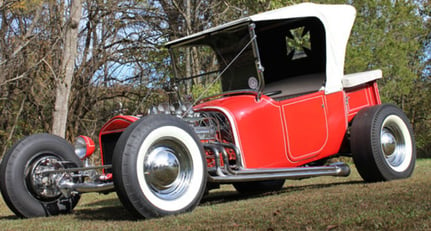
{"x":111,"y":209}
{"x":10,"y":217}
{"x":103,"y":212}
{"x":225,"y":197}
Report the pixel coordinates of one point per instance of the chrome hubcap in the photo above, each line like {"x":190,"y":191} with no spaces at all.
{"x":162,"y":168}
{"x":389,"y":143}
{"x":168,"y":170}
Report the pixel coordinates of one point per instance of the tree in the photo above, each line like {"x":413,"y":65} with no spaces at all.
{"x":64,"y":80}
{"x":33,"y":42}
{"x":22,"y":55}
{"x":118,"y":58}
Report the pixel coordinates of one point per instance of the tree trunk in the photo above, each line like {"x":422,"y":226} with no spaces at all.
{"x":64,"y":81}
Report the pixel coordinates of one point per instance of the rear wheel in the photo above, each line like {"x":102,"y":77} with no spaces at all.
{"x":259,"y":186}
{"x":26,"y":190}
{"x":158,"y":167}
{"x":382,"y":144}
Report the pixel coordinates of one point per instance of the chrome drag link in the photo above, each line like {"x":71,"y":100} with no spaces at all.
{"x":67,"y":187}
{"x":108,"y":166}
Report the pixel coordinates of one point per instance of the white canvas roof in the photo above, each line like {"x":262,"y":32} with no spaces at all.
{"x":337,"y":20}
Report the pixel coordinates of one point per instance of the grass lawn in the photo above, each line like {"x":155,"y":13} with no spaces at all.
{"x":323,"y":203}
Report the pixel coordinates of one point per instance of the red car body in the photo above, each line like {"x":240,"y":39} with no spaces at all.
{"x":294,"y":132}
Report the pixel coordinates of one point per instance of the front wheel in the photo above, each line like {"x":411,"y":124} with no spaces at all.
{"x":25,"y":188}
{"x":159,"y":167}
{"x":382,"y":144}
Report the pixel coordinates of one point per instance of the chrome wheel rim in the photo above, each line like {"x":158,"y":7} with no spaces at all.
{"x":43,"y":186}
{"x":396,"y":143}
{"x":168,"y":169}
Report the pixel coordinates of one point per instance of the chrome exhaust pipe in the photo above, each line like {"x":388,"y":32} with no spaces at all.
{"x":336,"y":169}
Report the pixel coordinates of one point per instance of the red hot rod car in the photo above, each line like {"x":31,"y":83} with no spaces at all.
{"x":280,"y":105}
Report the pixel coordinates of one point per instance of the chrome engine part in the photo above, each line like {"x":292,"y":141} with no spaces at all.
{"x":210,"y":126}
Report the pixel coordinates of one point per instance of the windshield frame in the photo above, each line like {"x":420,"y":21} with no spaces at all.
{"x":209,"y":39}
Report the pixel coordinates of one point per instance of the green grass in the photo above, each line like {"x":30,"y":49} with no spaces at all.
{"x":323,"y":203}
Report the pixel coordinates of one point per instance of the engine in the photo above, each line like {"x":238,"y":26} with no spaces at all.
{"x":210,"y":126}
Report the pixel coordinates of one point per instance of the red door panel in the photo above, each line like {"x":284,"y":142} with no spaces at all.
{"x":306,"y":126}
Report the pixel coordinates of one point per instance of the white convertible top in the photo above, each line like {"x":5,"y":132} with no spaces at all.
{"x":337,"y":20}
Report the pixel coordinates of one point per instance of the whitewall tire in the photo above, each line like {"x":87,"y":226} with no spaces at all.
{"x":159,"y":167}
{"x":382,"y":144}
